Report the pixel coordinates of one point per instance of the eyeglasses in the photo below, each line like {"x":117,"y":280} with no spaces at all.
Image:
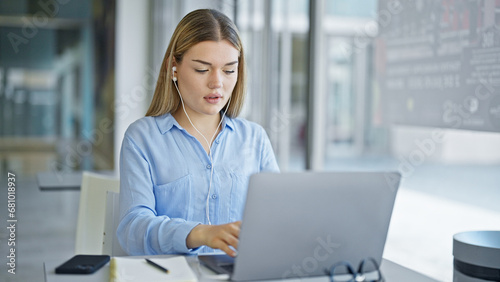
{"x":362,"y":275}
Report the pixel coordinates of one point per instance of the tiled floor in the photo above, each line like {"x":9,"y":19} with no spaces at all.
{"x":420,"y":236}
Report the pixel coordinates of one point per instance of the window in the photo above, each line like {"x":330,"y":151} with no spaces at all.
{"x":56,"y":85}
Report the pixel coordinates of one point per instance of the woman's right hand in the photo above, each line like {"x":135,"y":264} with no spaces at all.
{"x":215,"y":236}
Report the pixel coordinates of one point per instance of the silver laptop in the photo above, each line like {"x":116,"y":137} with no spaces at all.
{"x":300,"y":224}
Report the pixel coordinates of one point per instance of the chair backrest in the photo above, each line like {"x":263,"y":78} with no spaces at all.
{"x":91,"y":212}
{"x":110,"y":244}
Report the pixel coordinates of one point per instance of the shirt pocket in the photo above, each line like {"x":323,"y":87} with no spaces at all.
{"x":174,"y":199}
{"x":239,"y":187}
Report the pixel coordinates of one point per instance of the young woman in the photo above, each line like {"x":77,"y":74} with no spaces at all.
{"x":184,"y":168}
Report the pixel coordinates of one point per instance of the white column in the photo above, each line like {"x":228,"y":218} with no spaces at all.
{"x":316,"y":108}
{"x":133,"y":92}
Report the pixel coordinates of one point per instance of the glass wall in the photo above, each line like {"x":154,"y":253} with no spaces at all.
{"x":412,"y":87}
{"x":56,"y":85}
{"x":275,"y":35}
{"x":349,"y":29}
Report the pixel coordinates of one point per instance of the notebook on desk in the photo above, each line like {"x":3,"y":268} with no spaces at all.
{"x":132,"y":269}
{"x":300,"y":224}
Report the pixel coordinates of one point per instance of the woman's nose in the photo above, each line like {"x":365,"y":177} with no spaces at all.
{"x":215,"y":80}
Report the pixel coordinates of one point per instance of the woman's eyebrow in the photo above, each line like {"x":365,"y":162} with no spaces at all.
{"x":209,"y":64}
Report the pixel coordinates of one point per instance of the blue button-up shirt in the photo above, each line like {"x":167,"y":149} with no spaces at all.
{"x":165,"y":175}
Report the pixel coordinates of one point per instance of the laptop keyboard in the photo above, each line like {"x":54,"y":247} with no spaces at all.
{"x":227,"y":267}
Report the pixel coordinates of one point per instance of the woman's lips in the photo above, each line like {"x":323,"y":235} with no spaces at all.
{"x":213,"y":98}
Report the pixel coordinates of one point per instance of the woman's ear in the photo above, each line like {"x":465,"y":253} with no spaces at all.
{"x":174,"y":63}
{"x":170,"y":62}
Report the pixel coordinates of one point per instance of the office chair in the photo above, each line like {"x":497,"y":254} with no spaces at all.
{"x":110,"y":244}
{"x":92,"y":210}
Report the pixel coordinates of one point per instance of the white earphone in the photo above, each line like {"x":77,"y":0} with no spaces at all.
{"x":174,"y":69}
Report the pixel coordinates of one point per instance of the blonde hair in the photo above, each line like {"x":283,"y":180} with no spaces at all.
{"x":197,"y":26}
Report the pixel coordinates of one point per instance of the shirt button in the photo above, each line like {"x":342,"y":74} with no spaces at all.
{"x":209,"y":166}
{"x":214,"y":196}
{"x":217,"y":141}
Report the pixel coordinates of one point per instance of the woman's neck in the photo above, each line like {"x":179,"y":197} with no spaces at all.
{"x":207,"y":125}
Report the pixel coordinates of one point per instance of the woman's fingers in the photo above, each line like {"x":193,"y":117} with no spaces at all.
{"x":226,"y":236}
{"x":223,"y":237}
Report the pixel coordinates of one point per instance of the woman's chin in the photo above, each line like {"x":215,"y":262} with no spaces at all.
{"x":212,"y":111}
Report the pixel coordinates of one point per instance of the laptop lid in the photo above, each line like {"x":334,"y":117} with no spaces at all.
{"x":300,"y":224}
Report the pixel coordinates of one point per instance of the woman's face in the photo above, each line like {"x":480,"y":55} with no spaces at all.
{"x":207,"y":75}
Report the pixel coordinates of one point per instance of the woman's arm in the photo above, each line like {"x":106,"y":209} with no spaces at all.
{"x":141,"y":231}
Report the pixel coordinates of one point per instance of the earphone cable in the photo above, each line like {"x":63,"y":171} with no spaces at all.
{"x":209,"y":148}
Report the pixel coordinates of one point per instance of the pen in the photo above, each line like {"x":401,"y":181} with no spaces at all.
{"x":157,"y":266}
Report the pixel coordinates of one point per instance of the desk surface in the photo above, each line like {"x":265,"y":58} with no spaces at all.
{"x":391,"y":271}
{"x":64,"y":180}
{"x":59,"y":180}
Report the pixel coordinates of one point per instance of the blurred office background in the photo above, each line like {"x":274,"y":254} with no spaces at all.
{"x":339,"y":85}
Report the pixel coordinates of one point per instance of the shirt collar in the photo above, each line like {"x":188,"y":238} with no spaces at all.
{"x":166,"y":122}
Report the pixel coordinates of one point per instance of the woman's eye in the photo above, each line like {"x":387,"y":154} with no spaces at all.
{"x":201,"y":71}
{"x":229,"y":71}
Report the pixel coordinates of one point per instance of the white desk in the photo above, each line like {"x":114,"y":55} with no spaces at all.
{"x":63,"y":180}
{"x":391,"y":271}
{"x":53,"y":181}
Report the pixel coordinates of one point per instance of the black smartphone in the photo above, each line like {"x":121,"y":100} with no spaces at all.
{"x":83,"y":264}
